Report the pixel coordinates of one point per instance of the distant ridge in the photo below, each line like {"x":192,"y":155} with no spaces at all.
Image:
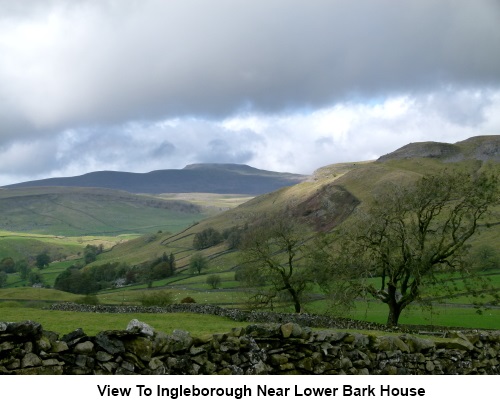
{"x":196,"y":178}
{"x":483,"y":148}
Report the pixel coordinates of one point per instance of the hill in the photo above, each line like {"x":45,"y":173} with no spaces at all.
{"x":71,"y":211}
{"x":326,"y":199}
{"x":197,"y":178}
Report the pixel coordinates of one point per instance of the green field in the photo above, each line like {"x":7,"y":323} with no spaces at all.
{"x":64,"y":321}
{"x":452,"y":312}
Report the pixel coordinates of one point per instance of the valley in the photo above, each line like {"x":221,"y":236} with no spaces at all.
{"x":137,"y":230}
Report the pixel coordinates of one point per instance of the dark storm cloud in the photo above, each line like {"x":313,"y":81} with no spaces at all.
{"x":163,"y":150}
{"x":98,"y":62}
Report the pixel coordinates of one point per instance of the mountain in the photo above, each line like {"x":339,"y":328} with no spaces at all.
{"x":197,"y":178}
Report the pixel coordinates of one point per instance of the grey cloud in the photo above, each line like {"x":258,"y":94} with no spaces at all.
{"x":106,"y":62}
{"x":140,"y":147}
{"x":221,"y":151}
{"x":27,"y":158}
{"x":164,"y":149}
{"x":465,"y":107}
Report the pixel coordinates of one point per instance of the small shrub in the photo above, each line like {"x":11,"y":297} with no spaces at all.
{"x":188,"y":300}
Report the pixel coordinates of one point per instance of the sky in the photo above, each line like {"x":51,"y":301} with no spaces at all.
{"x":284,"y":85}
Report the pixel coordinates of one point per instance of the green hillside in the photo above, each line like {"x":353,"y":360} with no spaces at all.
{"x":70,"y":211}
{"x":328,"y":198}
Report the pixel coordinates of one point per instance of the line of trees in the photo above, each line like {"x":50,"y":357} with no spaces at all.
{"x":210,"y":237}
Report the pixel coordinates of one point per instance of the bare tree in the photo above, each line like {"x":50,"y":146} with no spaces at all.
{"x":410,"y":238}
{"x":271,"y":253}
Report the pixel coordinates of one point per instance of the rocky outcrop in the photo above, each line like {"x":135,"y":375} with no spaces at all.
{"x":484,"y":148}
{"x":424,"y":150}
{"x":26,"y":348}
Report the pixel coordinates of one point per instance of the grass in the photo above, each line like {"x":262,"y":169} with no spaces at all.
{"x":133,"y":296}
{"x":36,"y":294}
{"x":231,"y":294}
{"x":441,"y":315}
{"x":92,"y":323}
{"x":209,"y":201}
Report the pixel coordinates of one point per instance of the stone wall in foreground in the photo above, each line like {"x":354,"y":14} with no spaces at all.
{"x":26,"y":348}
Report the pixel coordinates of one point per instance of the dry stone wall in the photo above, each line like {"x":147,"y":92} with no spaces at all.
{"x":303,"y":319}
{"x":26,"y":348}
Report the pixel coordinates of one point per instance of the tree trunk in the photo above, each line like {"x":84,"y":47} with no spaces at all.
{"x":295,"y":298}
{"x":395,"y":307}
{"x":394,"y":313}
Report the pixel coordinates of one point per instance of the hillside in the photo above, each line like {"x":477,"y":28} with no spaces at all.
{"x":328,"y":197}
{"x":198,"y":178}
{"x":70,"y":211}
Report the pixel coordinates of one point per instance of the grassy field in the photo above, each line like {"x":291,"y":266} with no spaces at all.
{"x":210,"y":201}
{"x":441,"y":315}
{"x":64,"y":321}
{"x":452,"y":311}
{"x":41,"y":295}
